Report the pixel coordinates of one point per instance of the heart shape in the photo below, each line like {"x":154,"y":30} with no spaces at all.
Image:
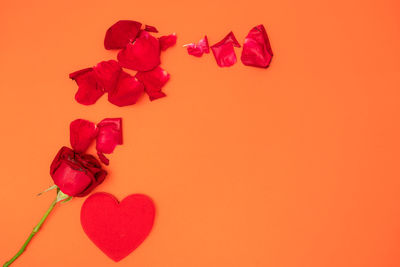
{"x":117,"y":228}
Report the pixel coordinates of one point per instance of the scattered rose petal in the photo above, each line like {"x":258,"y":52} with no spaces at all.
{"x":149,"y":28}
{"x":198,"y":49}
{"x":103,"y":158}
{"x":82,"y":133}
{"x":109,"y":136}
{"x":230,"y":38}
{"x":224,"y":54}
{"x":121,"y":33}
{"x":194,"y":50}
{"x":127,"y":91}
{"x":154,"y":81}
{"x":89,"y":90}
{"x":203,"y":44}
{"x":107,"y":73}
{"x":223,"y":51}
{"x":142,"y":55}
{"x":257,"y":50}
{"x":167,"y":41}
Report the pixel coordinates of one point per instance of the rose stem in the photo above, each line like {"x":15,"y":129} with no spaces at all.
{"x":34,"y":231}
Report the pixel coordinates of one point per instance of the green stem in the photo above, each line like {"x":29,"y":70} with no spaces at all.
{"x":35,"y":230}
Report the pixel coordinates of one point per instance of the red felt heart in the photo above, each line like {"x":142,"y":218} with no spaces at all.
{"x":117,"y":228}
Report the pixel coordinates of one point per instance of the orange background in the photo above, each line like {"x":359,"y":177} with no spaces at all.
{"x":295,"y":165}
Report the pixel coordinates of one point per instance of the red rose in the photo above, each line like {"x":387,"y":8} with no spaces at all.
{"x":76,"y":174}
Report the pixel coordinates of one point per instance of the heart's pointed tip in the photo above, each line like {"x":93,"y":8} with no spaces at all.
{"x":116,"y":259}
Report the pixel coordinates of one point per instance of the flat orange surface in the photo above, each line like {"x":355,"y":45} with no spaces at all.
{"x":296,"y":165}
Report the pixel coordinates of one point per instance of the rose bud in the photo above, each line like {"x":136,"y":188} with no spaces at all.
{"x":76,"y":174}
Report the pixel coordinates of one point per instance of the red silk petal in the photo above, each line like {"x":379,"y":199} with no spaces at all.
{"x":127,"y":91}
{"x":142,"y":55}
{"x":194,"y":50}
{"x":167,"y":41}
{"x":89,"y":90}
{"x":149,"y":28}
{"x":203,"y":44}
{"x":121,"y":33}
{"x":229,"y":38}
{"x":154,"y":81}
{"x":82,"y":133}
{"x":223,"y":51}
{"x":198,"y":49}
{"x":107,"y":73}
{"x":103,"y":158}
{"x":224,"y":55}
{"x":257,"y":50}
{"x":109,"y":135}
{"x":75,"y":75}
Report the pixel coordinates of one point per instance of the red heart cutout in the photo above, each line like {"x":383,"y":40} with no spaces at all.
{"x":117,"y":228}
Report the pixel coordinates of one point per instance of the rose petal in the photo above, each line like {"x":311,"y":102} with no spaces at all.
{"x":91,"y":164}
{"x":63,"y":153}
{"x":154,"y":81}
{"x":257,"y":50}
{"x":78,"y":73}
{"x":121,"y":33}
{"x":103,"y":158}
{"x":82,"y":133}
{"x":149,"y":28}
{"x":224,"y":55}
{"x":109,"y":135}
{"x":194,"y":50}
{"x":203,"y":44}
{"x":198,"y":49}
{"x":107,"y":73}
{"x":72,"y":181}
{"x":89,"y":90}
{"x":167,"y":41}
{"x":142,"y":55}
{"x":223,"y":51}
{"x":229,"y":38}
{"x":127,"y":91}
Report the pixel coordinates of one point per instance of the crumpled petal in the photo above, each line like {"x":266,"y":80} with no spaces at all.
{"x":257,"y":50}
{"x":194,"y":50}
{"x":103,"y":158}
{"x":167,"y":41}
{"x":229,"y":38}
{"x":223,"y":50}
{"x":121,"y":33}
{"x":107,"y":73}
{"x":127,"y":91}
{"x":154,"y":81}
{"x":82,"y":133}
{"x":142,"y":55}
{"x":198,"y":49}
{"x":149,"y":28}
{"x":203,"y":44}
{"x":224,"y":54}
{"x":89,"y":90}
{"x":108,"y":137}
